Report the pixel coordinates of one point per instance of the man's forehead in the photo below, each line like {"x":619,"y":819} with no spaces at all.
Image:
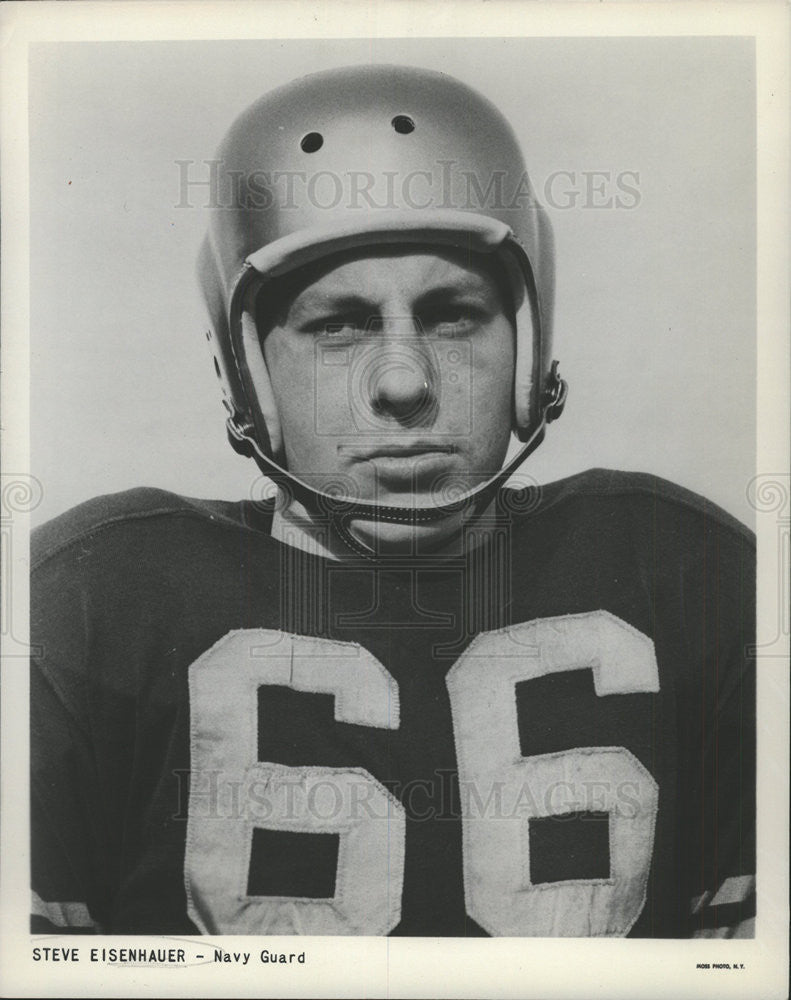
{"x":376,"y":272}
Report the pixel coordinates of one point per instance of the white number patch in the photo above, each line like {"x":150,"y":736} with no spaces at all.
{"x":231,"y":792}
{"x":224,"y":684}
{"x":498,"y":891}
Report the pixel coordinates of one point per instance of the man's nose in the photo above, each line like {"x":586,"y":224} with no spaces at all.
{"x":401,"y":381}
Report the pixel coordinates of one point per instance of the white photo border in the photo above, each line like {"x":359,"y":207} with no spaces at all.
{"x":415,"y":967}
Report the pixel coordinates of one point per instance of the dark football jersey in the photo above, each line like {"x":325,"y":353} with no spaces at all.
{"x":553,"y":735}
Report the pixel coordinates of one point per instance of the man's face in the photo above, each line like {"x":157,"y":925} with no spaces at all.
{"x":393,"y":374}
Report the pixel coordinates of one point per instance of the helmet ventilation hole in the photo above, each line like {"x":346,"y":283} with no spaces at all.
{"x":312,"y":142}
{"x":403,"y":124}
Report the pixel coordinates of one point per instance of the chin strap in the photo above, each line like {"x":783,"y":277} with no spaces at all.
{"x":341,"y":511}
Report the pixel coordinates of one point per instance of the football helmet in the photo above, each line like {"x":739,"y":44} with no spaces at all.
{"x":371,"y":156}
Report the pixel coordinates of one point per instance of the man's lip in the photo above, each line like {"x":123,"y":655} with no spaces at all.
{"x":414,"y":450}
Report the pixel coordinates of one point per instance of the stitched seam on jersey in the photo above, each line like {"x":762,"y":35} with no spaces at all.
{"x":565,"y":493}
{"x":89,"y":746}
{"x":654,"y":812}
{"x":49,"y":679}
{"x":463,"y":757}
{"x":193,"y":913}
{"x":246,"y":508}
{"x":483,"y":637}
{"x":62,"y":914}
{"x":40,"y":798}
{"x":336,"y":901}
{"x":468,"y":874}
{"x":700,"y":505}
{"x":340,"y":644}
{"x":112,"y":522}
{"x":240,"y":878}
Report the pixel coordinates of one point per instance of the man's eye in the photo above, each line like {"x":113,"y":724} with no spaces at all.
{"x":353,"y":326}
{"x":448,"y":320}
{"x":343,"y":326}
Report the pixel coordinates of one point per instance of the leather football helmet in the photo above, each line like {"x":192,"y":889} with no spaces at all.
{"x":371,"y":156}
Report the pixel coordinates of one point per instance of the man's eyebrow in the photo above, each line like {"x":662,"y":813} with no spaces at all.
{"x":313,"y":302}
{"x":473,"y":289}
{"x":320,"y":303}
{"x":349,"y":301}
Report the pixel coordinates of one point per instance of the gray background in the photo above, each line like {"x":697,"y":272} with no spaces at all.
{"x":655,"y":316}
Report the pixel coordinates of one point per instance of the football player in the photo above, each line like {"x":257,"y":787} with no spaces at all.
{"x":400,"y":697}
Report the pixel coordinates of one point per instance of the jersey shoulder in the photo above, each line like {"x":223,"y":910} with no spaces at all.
{"x":111,"y":573}
{"x":637,"y":492}
{"x":133,"y":510}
